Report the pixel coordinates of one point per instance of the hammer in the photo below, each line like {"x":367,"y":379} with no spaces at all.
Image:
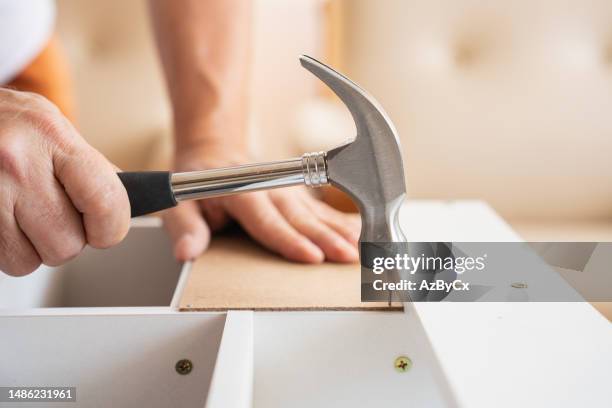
{"x":368,"y":168}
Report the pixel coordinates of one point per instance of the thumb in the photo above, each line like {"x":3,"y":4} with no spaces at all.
{"x":188,"y":231}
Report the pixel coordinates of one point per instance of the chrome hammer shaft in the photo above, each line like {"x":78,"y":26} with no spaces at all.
{"x":310,"y":169}
{"x":152,"y":191}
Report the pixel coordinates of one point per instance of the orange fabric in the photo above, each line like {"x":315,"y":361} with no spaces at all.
{"x":48,"y":76}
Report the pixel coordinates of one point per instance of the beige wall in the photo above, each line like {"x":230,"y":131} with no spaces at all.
{"x":508,"y":101}
{"x":122,"y":108}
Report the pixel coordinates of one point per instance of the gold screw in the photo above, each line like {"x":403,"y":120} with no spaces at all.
{"x":519,"y":285}
{"x":184,"y":366}
{"x":402,"y":364}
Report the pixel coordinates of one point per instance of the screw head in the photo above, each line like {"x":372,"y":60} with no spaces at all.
{"x":402,"y":364}
{"x":184,"y":366}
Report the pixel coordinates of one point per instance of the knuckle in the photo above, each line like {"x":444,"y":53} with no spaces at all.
{"x":52,"y":212}
{"x":293,"y":213}
{"x":104,"y":237}
{"x":11,"y":163}
{"x":54,"y":129}
{"x":107,"y":240}
{"x":71,"y":241}
{"x":49,"y":122}
{"x":295,"y":219}
{"x":24,"y":267}
{"x":39,"y":103}
{"x":63,"y":253}
{"x":109,"y":211}
{"x":262,"y":218}
{"x":103,"y":201}
{"x":15,"y":260}
{"x":107,"y":198}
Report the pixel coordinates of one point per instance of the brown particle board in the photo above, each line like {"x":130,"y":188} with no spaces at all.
{"x":235,"y":273}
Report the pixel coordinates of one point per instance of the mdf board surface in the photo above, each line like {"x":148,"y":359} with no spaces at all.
{"x":236,"y":273}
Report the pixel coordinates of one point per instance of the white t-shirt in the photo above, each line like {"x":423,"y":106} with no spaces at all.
{"x":25,"y":28}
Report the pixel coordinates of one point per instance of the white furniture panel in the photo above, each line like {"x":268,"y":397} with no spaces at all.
{"x":112,"y":360}
{"x":232,"y":382}
{"x":463,"y":354}
{"x":344,"y":359}
{"x":141,"y":271}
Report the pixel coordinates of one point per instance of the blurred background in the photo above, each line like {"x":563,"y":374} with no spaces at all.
{"x":506,"y":101}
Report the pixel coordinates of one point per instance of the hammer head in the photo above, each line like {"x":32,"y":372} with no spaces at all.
{"x":368,"y":168}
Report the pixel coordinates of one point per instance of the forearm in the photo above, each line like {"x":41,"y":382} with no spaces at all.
{"x":205,"y":55}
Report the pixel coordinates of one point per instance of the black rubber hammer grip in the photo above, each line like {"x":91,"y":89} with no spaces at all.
{"x":148,"y":191}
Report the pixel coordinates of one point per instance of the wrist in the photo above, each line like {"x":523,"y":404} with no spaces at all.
{"x":206,"y":153}
{"x":218,"y":136}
